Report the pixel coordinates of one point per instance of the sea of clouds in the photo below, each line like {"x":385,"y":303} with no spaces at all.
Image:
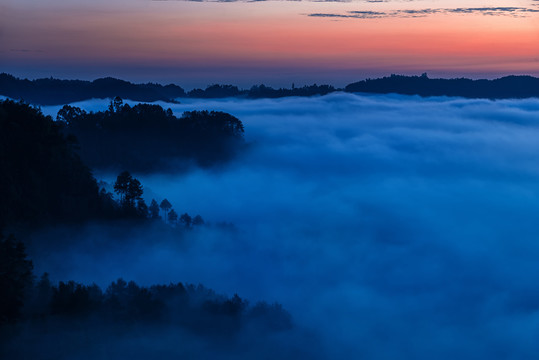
{"x":394,"y":227}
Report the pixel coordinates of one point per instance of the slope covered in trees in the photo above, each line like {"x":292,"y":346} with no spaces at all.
{"x":42,"y":179}
{"x":147,"y":137}
{"x":131,"y":204}
{"x":38,"y":311}
{"x":44,"y":182}
{"x":193,"y":307}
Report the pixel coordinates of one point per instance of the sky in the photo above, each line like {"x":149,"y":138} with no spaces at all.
{"x":197,"y":43}
{"x":393,"y":227}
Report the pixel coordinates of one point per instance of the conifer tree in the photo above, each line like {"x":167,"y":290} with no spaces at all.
{"x":154,"y":210}
{"x":172,"y":217}
{"x":165,"y":206}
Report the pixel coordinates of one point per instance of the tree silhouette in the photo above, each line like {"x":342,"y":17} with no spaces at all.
{"x":121,"y":186}
{"x":134,"y":192}
{"x":154,"y":210}
{"x":116,"y":104}
{"x":197,"y":220}
{"x":186,"y":220}
{"x":142,"y":208}
{"x":43,"y":293}
{"x":130,"y":191}
{"x":172,"y":216}
{"x":15,"y":277}
{"x":165,"y":206}
{"x":69,"y":113}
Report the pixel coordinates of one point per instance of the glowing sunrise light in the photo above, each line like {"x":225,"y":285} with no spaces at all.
{"x":194,"y":42}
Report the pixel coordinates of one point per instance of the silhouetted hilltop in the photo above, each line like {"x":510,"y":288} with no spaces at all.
{"x":57,"y":92}
{"x":262,"y":91}
{"x":44,"y":180}
{"x":216,"y":91}
{"x":147,"y":138}
{"x":259,"y":91}
{"x":503,"y":88}
{"x":54,"y":92}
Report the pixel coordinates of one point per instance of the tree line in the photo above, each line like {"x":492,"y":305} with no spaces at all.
{"x":51,"y":91}
{"x":131,"y":204}
{"x":43,"y":179}
{"x":195,"y":308}
{"x":259,"y":91}
{"x":503,"y":88}
{"x":147,"y":138}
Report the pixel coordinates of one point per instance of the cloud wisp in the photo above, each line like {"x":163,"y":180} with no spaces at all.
{"x":513,"y":11}
{"x":510,"y":11}
{"x":414,"y":13}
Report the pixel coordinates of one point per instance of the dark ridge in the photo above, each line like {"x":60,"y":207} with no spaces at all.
{"x":262,"y":91}
{"x":44,"y":181}
{"x":146,"y":137}
{"x":55,"y":92}
{"x":508,"y":87}
{"x":259,"y":91}
{"x":58,"y":92}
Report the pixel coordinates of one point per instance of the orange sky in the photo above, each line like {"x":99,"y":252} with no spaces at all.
{"x":196,"y":43}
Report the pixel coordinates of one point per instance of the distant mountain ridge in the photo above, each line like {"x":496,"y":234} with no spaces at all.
{"x":502,"y":88}
{"x":51,"y":91}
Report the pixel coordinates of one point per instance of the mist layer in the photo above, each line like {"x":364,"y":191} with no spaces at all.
{"x":392,"y":226}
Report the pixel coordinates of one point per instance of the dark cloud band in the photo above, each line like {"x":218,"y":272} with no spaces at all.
{"x":490,"y":11}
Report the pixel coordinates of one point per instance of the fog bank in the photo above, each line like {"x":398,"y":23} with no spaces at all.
{"x":394,"y":226}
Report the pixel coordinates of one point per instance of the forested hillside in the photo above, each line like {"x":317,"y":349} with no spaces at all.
{"x":42,"y":179}
{"x":147,"y":137}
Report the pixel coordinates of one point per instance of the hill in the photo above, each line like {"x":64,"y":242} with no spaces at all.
{"x":146,"y":137}
{"x":503,"y":88}
{"x":54,"y":92}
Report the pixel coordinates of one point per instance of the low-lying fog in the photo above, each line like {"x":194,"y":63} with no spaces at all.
{"x":395,"y":227}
